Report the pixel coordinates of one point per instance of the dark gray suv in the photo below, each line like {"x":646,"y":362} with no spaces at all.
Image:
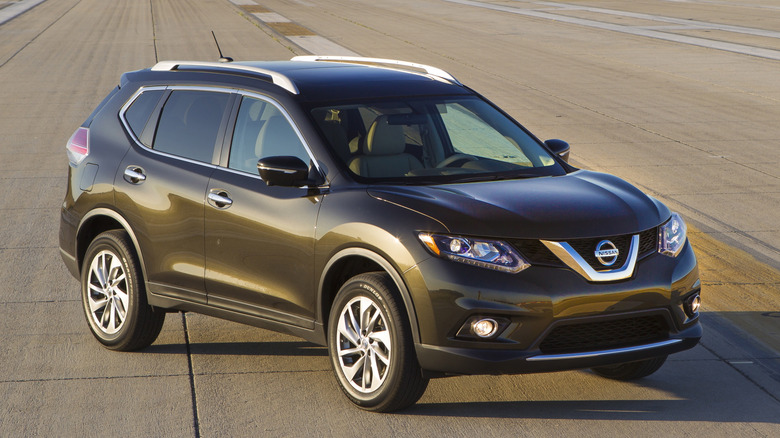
{"x":378,"y":207}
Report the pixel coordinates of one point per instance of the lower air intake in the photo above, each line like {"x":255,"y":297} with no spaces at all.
{"x":604,"y":335}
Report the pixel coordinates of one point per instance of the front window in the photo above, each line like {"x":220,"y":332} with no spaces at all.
{"x":433,"y":140}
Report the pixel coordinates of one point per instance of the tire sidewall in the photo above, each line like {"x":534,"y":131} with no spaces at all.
{"x":110,"y":242}
{"x":357,"y":288}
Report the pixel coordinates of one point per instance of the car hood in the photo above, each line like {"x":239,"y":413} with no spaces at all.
{"x":577,"y":205}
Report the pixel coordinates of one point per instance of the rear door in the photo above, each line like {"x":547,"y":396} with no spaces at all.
{"x":162,"y":181}
{"x":260,"y":239}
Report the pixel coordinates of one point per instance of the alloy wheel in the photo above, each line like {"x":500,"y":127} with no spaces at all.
{"x":108,"y":292}
{"x":364,"y":344}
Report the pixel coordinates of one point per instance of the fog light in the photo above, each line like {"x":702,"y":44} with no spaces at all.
{"x":692,"y":305}
{"x":484,"y":328}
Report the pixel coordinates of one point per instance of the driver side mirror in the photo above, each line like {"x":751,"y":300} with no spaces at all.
{"x":286,"y":171}
{"x":559,"y":147}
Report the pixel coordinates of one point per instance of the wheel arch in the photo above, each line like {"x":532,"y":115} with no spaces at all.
{"x":354,"y":261}
{"x":98,"y":221}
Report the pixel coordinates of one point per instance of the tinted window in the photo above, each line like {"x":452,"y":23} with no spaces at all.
{"x":432,"y":140}
{"x":262,"y":131}
{"x":189,"y":124}
{"x":138,"y":113}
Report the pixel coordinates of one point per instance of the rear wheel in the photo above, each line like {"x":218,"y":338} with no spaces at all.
{"x":114,"y":297}
{"x":371,"y":347}
{"x":631,"y":370}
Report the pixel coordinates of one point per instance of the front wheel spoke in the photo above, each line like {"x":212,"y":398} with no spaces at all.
{"x":106,"y":318}
{"x":376,"y":376}
{"x":116,"y":273}
{"x":367,"y":368}
{"x":120,"y":310}
{"x":366,"y":309}
{"x":352,"y":320}
{"x":97,"y":273}
{"x":122,"y":300}
{"x":113,"y":320}
{"x":372,"y":322}
{"x":348,"y":332}
{"x":383,"y":338}
{"x":351,"y":371}
{"x":104,"y":268}
{"x":349,"y":352}
{"x":95,"y":305}
{"x":98,"y":290}
{"x":385,"y":358}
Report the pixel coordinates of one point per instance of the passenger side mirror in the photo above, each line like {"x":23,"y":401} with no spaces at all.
{"x":559,"y":147}
{"x":284,"y":171}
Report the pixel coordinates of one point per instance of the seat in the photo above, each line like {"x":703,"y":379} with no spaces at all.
{"x":383,"y":152}
{"x":278,"y":138}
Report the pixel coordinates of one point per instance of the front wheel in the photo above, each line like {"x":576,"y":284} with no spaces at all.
{"x":114,"y":297}
{"x":631,"y":370}
{"x":371,"y":347}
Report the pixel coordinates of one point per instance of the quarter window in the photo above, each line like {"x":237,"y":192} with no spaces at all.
{"x":262,"y":131}
{"x":189,"y":124}
{"x":138,"y":114}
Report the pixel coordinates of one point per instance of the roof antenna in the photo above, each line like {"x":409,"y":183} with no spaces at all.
{"x":221,"y":57}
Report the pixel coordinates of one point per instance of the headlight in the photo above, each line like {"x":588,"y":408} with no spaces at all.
{"x":671,"y":236}
{"x":491,"y":254}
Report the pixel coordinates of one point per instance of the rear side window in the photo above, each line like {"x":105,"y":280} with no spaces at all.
{"x":139,"y":112}
{"x":189,"y":124}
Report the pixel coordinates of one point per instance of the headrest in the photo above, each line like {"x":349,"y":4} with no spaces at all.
{"x":277,"y":137}
{"x":384,"y":139}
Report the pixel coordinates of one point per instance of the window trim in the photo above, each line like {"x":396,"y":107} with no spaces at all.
{"x":232,"y":125}
{"x":156,"y":113}
{"x":226,"y":129}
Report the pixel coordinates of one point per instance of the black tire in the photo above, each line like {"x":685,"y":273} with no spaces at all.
{"x":382,"y":338}
{"x":113,"y":295}
{"x":631,"y":370}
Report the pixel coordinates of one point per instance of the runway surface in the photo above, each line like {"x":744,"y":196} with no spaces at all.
{"x":679,"y":97}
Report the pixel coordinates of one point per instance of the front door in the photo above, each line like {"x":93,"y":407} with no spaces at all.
{"x":260,"y":239}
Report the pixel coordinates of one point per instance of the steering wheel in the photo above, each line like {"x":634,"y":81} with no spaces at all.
{"x":456,"y":158}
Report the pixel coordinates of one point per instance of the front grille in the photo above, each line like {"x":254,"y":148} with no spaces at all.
{"x":538,"y":254}
{"x":604,"y":335}
{"x":586,"y":248}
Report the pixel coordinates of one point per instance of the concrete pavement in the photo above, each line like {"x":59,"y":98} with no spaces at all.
{"x":694,"y":126}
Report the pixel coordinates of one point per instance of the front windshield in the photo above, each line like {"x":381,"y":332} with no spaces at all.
{"x":431,"y":140}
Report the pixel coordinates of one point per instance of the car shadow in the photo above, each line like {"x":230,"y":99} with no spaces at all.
{"x":620,"y":410}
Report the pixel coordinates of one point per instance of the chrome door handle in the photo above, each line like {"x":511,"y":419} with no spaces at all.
{"x":219,"y":198}
{"x":134,"y":175}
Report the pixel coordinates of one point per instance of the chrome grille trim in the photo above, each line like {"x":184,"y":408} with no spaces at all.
{"x":573,"y":260}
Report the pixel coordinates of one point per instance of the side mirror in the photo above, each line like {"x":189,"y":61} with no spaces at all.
{"x":559,"y":147}
{"x":283,"y":171}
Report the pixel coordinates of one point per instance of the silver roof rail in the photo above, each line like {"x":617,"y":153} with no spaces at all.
{"x":276,"y":77}
{"x":433,"y":71}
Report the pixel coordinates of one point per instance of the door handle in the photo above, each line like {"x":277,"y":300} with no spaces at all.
{"x":135,"y":175}
{"x":220,"y":199}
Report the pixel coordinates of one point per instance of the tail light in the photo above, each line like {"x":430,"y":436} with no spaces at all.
{"x":78,"y":146}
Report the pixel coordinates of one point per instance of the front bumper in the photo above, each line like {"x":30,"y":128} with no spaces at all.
{"x":453,"y":360}
{"x":539,"y":300}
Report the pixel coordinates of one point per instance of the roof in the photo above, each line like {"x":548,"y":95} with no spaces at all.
{"x":336,"y":78}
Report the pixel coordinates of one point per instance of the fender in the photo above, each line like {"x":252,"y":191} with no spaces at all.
{"x":387,"y":267}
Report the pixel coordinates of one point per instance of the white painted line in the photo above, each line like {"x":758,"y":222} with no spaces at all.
{"x":318,"y":45}
{"x":271,"y":17}
{"x":243,"y":2}
{"x":661,"y":18}
{"x":632,"y":30}
{"x":14,"y":9}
